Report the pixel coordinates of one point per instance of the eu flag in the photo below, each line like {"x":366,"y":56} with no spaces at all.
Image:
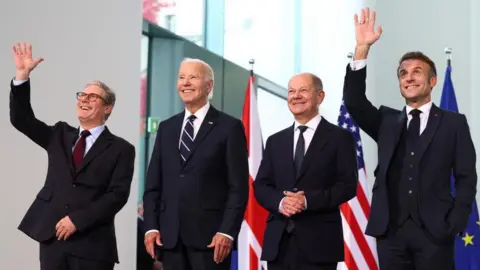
{"x":467,"y":246}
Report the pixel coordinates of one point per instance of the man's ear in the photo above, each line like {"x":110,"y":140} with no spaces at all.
{"x":108,"y":109}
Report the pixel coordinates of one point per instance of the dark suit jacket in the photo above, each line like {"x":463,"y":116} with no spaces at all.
{"x":446,"y":147}
{"x":91,"y":195}
{"x":329,"y":176}
{"x":206,"y":195}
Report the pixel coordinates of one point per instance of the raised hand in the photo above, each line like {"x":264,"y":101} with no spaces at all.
{"x":365,"y":28}
{"x":24,"y":62}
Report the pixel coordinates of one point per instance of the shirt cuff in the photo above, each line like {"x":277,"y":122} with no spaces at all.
{"x":358,"y":64}
{"x":149,"y":231}
{"x":280,"y":205}
{"x":226,"y":235}
{"x":17,"y":83}
{"x":305,"y":202}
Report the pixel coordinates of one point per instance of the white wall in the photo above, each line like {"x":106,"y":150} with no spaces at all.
{"x":80,"y":41}
{"x":429,"y":26}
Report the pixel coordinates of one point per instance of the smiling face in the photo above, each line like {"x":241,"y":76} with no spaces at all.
{"x":305,"y":94}
{"x":416,"y":78}
{"x":194,"y":84}
{"x":92,"y":109}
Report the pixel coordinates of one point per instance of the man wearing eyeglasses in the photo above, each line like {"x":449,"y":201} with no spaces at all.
{"x":89,"y":175}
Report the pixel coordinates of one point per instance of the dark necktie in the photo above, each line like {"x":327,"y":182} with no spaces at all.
{"x":300,"y":149}
{"x":79,"y":150}
{"x":186,"y":141}
{"x":414,"y":126}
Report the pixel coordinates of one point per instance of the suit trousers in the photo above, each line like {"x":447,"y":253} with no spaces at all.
{"x":54,"y":257}
{"x":290,"y":257}
{"x":408,"y":247}
{"x":186,"y":258}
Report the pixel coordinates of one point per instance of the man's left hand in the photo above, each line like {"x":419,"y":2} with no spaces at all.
{"x":65,"y":228}
{"x":300,"y":195}
{"x":222,"y":245}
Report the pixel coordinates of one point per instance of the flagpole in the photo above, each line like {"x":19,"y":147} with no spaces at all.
{"x":448,"y":53}
{"x":350,"y":56}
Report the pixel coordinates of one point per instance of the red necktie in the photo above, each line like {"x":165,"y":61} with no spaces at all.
{"x":79,"y":150}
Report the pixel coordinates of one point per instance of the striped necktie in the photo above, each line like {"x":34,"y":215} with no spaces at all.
{"x":186,"y":142}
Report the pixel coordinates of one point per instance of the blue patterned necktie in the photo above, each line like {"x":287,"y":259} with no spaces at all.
{"x":186,"y":142}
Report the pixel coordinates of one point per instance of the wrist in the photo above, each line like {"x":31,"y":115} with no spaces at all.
{"x":361,"y":51}
{"x":22,"y":75}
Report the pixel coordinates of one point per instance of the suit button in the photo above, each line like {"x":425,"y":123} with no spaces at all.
{"x":410,"y":178}
{"x":66,"y":206}
{"x":181,"y":175}
{"x":409,"y":192}
{"x":73,"y":185}
{"x":295,"y":190}
{"x":412,"y":153}
{"x":411,"y":165}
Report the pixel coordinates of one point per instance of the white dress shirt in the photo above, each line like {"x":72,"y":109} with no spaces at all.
{"x":307,"y":136}
{"x":425,"y":108}
{"x":90,"y":140}
{"x":197,"y":123}
{"x":200,"y":114}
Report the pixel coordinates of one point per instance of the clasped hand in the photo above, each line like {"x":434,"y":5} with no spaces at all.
{"x":293,"y":203}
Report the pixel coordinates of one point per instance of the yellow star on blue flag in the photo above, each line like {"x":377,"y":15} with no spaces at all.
{"x":467,"y":246}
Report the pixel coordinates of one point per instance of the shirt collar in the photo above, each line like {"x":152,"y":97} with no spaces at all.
{"x":200,"y":114}
{"x":94,"y":132}
{"x":425,"y":108}
{"x":312,"y":124}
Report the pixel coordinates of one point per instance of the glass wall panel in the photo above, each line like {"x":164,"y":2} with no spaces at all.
{"x":262,"y":30}
{"x":273,"y":113}
{"x":185,"y":18}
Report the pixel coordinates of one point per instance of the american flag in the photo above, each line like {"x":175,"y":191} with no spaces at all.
{"x":360,"y":249}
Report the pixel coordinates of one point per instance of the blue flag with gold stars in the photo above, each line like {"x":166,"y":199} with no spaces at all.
{"x":467,"y":246}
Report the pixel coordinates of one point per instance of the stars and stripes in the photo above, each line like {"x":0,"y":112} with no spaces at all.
{"x":360,"y":249}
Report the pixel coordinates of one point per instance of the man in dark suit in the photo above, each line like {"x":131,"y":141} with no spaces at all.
{"x":413,"y":215}
{"x":307,"y":171}
{"x":197,"y":181}
{"x":88,"y":179}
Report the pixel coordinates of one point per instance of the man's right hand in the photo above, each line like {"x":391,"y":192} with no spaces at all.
{"x":22,"y":54}
{"x":151,"y":239}
{"x":292,"y":205}
{"x":365,"y":33}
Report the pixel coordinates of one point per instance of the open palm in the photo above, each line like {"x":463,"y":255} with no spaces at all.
{"x":365,"y":28}
{"x":22,"y":54}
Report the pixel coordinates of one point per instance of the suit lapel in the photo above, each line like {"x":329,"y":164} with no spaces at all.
{"x":320,"y":137}
{"x":207,"y":125}
{"x":101,"y":144}
{"x":395,"y":132}
{"x":71,"y":137}
{"x":286,"y":150}
{"x":430,"y":130}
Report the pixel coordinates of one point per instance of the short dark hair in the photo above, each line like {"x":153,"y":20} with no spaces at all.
{"x":418,"y":56}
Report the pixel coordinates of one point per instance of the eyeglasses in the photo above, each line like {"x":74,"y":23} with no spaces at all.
{"x":91,"y":96}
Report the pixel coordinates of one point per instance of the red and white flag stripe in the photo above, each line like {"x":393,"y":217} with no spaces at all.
{"x":360,"y":249}
{"x":250,"y":239}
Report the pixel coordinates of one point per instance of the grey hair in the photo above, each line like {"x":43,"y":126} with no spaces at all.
{"x":109,"y":96}
{"x":209,"y":75}
{"x":317,"y":82}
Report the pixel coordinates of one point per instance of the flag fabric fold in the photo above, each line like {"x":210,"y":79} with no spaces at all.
{"x":360,"y":249}
{"x":467,"y":246}
{"x":250,"y":239}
